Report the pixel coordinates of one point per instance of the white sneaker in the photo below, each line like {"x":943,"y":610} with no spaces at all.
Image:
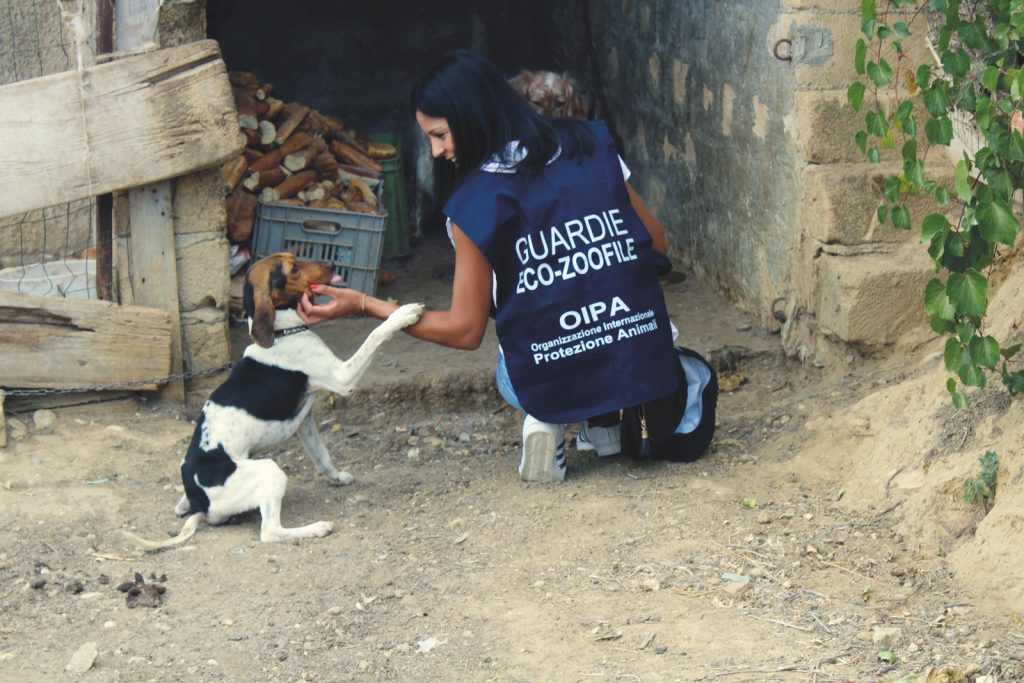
{"x":543,"y":451}
{"x":604,"y":440}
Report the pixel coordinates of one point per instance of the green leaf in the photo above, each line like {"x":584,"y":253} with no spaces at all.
{"x":901,"y":217}
{"x":882,"y":213}
{"x":892,"y":188}
{"x":997,"y":223}
{"x":990,"y":78}
{"x":956,"y":62}
{"x":874,"y":156}
{"x":936,"y":99}
{"x":887,"y":656}
{"x":964,"y":332}
{"x":909,"y":150}
{"x":1014,"y":381}
{"x":939,"y":131}
{"x":968,"y":292}
{"x":971,"y":375}
{"x":879,"y":73}
{"x":932,"y":225}
{"x":1010,"y":352}
{"x":862,"y":140}
{"x":936,"y":301}
{"x":859,"y":55}
{"x":913,"y":173}
{"x":942,"y":196}
{"x":985,"y":351}
{"x":855,"y":95}
{"x":962,"y":182}
{"x":901,"y":28}
{"x":951,"y":354}
{"x":867,"y":10}
{"x":923,"y":76}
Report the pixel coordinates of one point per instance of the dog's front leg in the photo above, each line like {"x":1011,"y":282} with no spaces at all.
{"x":343,"y":377}
{"x":317,"y":452}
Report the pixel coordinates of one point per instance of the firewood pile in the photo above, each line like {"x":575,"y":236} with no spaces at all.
{"x":294,"y":155}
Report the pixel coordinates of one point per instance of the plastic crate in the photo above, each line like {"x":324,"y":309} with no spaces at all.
{"x":350,"y":241}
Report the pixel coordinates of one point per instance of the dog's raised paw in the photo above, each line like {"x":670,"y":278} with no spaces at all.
{"x":408,"y":314}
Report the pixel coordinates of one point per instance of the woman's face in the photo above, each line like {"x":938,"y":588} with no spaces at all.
{"x":440,"y":136}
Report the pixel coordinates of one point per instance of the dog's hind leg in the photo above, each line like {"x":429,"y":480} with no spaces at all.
{"x":317,"y":452}
{"x":264,"y":484}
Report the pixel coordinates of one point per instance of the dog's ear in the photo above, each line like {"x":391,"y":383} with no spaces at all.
{"x":259,"y":305}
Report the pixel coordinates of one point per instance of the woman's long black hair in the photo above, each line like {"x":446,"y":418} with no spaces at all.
{"x":484,"y":114}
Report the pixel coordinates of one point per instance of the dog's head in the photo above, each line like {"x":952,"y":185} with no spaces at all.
{"x":552,"y":94}
{"x":279,"y":281}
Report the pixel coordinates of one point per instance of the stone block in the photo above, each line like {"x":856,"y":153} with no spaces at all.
{"x":823,"y":45}
{"x":199,"y":203}
{"x":828,"y":6}
{"x":872,"y":299}
{"x":838,"y":203}
{"x":203,"y":274}
{"x":205,"y":345}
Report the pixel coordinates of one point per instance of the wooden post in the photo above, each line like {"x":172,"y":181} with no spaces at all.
{"x":153,"y":254}
{"x":3,"y":422}
{"x":104,"y":230}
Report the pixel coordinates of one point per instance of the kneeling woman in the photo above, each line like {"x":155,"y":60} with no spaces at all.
{"x":553,"y":242}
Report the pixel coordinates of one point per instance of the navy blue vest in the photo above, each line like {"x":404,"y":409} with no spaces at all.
{"x":579,"y":310}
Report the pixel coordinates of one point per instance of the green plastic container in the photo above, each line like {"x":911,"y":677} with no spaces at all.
{"x":396,"y":234}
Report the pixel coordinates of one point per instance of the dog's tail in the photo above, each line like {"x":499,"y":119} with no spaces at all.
{"x":188,"y":530}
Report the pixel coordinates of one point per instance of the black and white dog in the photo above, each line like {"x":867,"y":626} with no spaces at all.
{"x":267,"y":398}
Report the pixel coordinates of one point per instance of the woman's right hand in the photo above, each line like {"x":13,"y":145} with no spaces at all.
{"x":343,"y":301}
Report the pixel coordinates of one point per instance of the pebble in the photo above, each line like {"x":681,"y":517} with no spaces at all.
{"x":44,"y":420}
{"x":886,"y":637}
{"x":83,"y":659}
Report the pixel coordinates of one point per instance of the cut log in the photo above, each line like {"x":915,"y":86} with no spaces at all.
{"x":251,"y":155}
{"x":271,"y":177}
{"x":65,"y":136}
{"x":303,"y":158}
{"x":243,"y":79}
{"x":274,"y":108}
{"x":232,"y":172}
{"x":289,"y":188}
{"x":241,"y":209}
{"x":296,"y":142}
{"x":351,"y":155}
{"x":268,"y":133}
{"x":246,"y":107}
{"x":326,"y":164}
{"x":292,"y":122}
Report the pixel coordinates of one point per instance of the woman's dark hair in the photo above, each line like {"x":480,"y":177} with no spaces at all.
{"x":484,"y":114}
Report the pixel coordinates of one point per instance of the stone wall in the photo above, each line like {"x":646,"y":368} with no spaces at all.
{"x":750,"y":160}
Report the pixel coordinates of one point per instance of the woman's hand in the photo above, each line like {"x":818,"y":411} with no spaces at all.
{"x":343,"y":301}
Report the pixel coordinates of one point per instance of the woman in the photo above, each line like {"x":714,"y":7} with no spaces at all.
{"x":553,"y":242}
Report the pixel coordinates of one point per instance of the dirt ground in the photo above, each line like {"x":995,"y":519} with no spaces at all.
{"x":810,"y":543}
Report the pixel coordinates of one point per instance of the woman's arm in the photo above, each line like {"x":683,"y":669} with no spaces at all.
{"x":462,"y":326}
{"x":653,"y":225}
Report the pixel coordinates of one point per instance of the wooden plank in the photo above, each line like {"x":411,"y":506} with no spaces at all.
{"x":117,"y":125}
{"x":154,"y":273}
{"x":51,"y":342}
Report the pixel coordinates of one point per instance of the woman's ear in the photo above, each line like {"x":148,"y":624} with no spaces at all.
{"x":262,"y":314}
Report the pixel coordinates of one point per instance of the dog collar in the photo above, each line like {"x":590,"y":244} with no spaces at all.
{"x":290,"y":330}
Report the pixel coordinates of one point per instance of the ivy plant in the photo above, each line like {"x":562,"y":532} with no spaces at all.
{"x":974,"y":82}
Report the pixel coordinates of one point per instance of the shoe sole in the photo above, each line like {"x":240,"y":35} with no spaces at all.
{"x":538,"y":462}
